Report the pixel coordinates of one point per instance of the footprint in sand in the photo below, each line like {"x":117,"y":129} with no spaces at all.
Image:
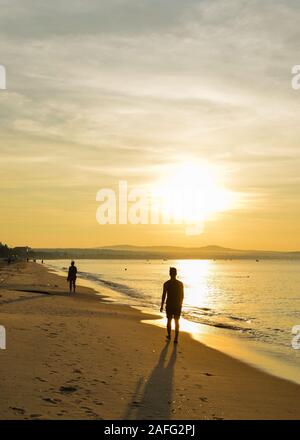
{"x":86,"y":408}
{"x":50,"y":400}
{"x":208,"y":374}
{"x":35,"y":416}
{"x":91,"y":413}
{"x":40,"y":379}
{"x":136,"y":404}
{"x":97,"y":402}
{"x":18,"y":410}
{"x":67,"y":390}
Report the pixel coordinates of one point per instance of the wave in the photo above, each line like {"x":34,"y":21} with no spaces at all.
{"x":213,"y":318}
{"x":216,"y":324}
{"x":118,"y":287}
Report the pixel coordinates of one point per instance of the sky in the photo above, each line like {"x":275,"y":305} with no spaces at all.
{"x":110,"y":90}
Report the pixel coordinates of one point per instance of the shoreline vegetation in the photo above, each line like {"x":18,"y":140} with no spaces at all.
{"x":83,"y":357}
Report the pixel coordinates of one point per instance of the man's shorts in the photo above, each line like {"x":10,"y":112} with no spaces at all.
{"x":173,"y":313}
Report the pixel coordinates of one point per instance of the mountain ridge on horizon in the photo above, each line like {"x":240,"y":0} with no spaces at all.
{"x":213,"y":248}
{"x":160,"y":252}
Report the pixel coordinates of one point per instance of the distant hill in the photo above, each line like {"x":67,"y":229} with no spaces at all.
{"x":131,"y":248}
{"x":161,"y":252}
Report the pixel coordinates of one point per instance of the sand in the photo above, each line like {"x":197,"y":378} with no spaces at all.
{"x":82,"y":357}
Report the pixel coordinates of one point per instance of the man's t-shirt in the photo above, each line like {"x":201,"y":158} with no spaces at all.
{"x":72,"y":273}
{"x":174,"y":291}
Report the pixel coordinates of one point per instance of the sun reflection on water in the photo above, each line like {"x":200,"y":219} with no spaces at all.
{"x":195,"y":276}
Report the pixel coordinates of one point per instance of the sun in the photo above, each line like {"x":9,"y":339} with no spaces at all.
{"x":192,"y":193}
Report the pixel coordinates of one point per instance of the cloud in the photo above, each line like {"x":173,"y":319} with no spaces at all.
{"x":128,"y":88}
{"x":32,"y":18}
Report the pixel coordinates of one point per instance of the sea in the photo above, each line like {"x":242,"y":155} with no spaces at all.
{"x":246,"y":308}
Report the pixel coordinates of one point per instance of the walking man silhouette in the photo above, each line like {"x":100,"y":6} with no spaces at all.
{"x":72,"y":275}
{"x":173,"y":293}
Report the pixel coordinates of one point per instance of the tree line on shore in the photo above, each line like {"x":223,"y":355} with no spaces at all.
{"x":5,"y":251}
{"x":14,"y":253}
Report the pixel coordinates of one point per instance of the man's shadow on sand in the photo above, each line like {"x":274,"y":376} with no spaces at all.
{"x":156,"y":397}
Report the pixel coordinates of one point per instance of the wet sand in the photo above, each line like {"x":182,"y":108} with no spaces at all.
{"x":82,"y":357}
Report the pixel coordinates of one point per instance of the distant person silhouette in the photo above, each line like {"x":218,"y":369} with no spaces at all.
{"x":174,"y":292}
{"x":72,"y":275}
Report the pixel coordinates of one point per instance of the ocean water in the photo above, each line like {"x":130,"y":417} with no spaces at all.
{"x":254,"y":304}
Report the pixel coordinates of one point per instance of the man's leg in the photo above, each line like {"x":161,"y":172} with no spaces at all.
{"x":74,"y":286}
{"x":70,"y":284}
{"x":169,"y":328}
{"x":176,"y":329}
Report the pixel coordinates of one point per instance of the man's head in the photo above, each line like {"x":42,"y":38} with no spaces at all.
{"x":72,"y":263}
{"x":173,"y":272}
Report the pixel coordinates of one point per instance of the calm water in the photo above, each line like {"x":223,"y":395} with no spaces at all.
{"x":257,"y":302}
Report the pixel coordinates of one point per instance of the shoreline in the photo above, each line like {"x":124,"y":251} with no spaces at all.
{"x":85,"y":357}
{"x":250,"y":352}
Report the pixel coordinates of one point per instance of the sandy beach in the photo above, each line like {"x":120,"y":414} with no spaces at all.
{"x":82,"y":357}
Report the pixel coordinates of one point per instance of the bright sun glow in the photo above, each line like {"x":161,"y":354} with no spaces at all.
{"x":193,"y":193}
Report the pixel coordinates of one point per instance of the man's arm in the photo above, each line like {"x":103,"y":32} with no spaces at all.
{"x":163,"y":297}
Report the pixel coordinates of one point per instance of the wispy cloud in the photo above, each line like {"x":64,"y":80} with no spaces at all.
{"x":128,"y":87}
